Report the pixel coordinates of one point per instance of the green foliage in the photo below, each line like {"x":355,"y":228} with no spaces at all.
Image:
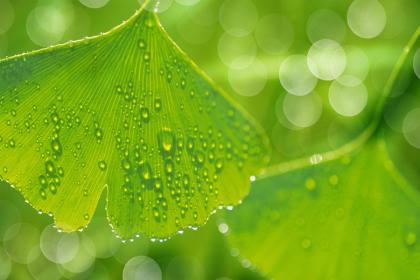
{"x":128,"y":112}
{"x":345,"y":214}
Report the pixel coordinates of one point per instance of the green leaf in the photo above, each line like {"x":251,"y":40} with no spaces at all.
{"x":345,"y":214}
{"x":129,"y":112}
{"x":351,"y":218}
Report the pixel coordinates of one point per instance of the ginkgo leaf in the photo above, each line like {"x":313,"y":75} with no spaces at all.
{"x":126,"y":111}
{"x":344,"y":214}
{"x":351,"y":218}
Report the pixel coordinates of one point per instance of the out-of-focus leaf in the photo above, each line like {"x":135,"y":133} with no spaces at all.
{"x":351,"y":218}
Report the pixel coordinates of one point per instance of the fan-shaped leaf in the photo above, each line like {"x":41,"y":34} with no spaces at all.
{"x":351,"y":218}
{"x":130,"y":111}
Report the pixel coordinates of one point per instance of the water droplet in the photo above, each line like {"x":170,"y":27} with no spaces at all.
{"x":43,"y":194}
{"x":333,"y":180}
{"x":99,"y":134}
{"x":158,"y":185}
{"x":102,"y":165}
{"x":169,"y":166}
{"x":12,"y":143}
{"x":200,"y":158}
{"x":145,"y":171}
{"x":49,"y":167}
{"x":145,"y":116}
{"x":142,"y":44}
{"x":306,"y":243}
{"x":158,"y":104}
{"x":126,"y":165}
{"x":411,"y":239}
{"x":219,"y":164}
{"x":119,"y":89}
{"x":43,"y":181}
{"x":310,"y":184}
{"x":146,"y":56}
{"x":56,"y":147}
{"x":166,"y":141}
{"x":60,"y":171}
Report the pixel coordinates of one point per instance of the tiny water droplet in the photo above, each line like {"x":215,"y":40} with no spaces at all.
{"x":310,"y":184}
{"x":166,"y":141}
{"x":410,"y":239}
{"x":102,"y":165}
{"x":144,"y":113}
{"x":142,"y":44}
{"x":333,"y":180}
{"x":306,"y":243}
{"x":158,"y":104}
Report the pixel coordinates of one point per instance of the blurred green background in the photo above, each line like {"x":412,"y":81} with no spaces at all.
{"x":310,"y":72}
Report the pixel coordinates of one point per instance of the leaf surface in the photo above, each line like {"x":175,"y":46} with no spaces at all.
{"x":126,"y":111}
{"x":351,"y":218}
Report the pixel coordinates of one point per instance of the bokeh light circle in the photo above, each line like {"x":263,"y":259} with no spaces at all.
{"x":187,"y":2}
{"x":157,"y":6}
{"x":5,"y":265}
{"x":238,"y":17}
{"x":236,"y":52}
{"x":7,"y":16}
{"x":416,"y":63}
{"x":358,"y":63}
{"x":94,"y":4}
{"x":366,"y":18}
{"x":84,"y":258}
{"x":326,"y":59}
{"x":58,"y":247}
{"x":348,"y":96}
{"x":295,"y":75}
{"x":3,"y":45}
{"x":411,"y":128}
{"x":248,"y":81}
{"x":46,"y":25}
{"x":43,"y":269}
{"x":325,"y":24}
{"x":274,"y":34}
{"x":142,"y":267}
{"x":302,"y":111}
{"x":21,"y":242}
{"x":105,"y":242}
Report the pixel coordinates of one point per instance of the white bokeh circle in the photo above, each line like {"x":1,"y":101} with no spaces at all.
{"x":348,"y":96}
{"x":7,"y":16}
{"x":327,"y":59}
{"x":411,"y":128}
{"x":325,"y":24}
{"x":250,"y":80}
{"x":58,"y":247}
{"x":238,"y":17}
{"x":366,"y":18}
{"x":302,"y":111}
{"x":295,"y":75}
{"x":274,"y":34}
{"x":94,"y":4}
{"x":236,"y":52}
{"x":142,"y":267}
